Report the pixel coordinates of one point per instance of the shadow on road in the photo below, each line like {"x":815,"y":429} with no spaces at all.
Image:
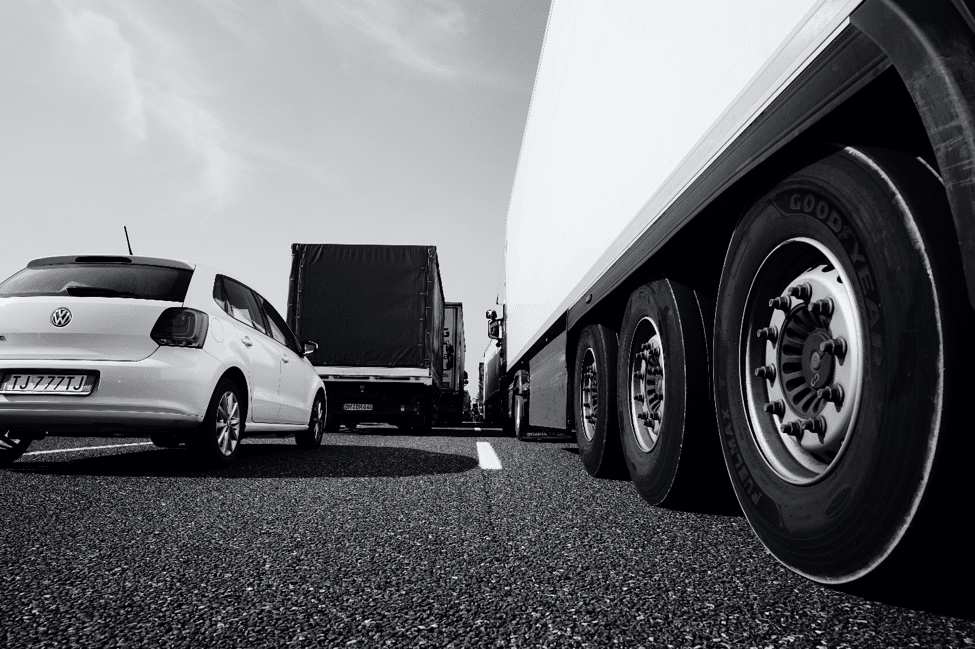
{"x":265,"y":461}
{"x":389,"y":431}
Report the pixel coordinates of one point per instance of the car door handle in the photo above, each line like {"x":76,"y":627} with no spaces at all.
{"x":246,"y":340}
{"x":285,"y":359}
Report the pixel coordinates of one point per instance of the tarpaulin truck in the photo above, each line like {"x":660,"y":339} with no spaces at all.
{"x":376,"y":312}
{"x":746,"y":231}
{"x":454,"y":376}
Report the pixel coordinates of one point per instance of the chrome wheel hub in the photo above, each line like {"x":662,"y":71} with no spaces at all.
{"x":803,"y":364}
{"x":646,"y":386}
{"x":589,"y":397}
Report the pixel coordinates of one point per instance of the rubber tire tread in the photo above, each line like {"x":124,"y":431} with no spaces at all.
{"x":204,"y":442}
{"x":306,"y":439}
{"x":684,"y":468}
{"x":9,"y":456}
{"x":602,"y":456}
{"x":881,"y":516}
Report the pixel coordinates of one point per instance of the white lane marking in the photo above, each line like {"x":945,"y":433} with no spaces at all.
{"x":476,"y":429}
{"x":486,"y":457}
{"x":86,"y":448}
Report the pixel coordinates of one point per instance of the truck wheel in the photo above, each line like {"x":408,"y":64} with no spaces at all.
{"x":839,"y":363}
{"x":520,"y":417}
{"x":311,"y":437}
{"x":594,"y":401}
{"x":664,"y":399}
{"x":218,"y":438}
{"x":12,"y":446}
{"x":421,"y":424}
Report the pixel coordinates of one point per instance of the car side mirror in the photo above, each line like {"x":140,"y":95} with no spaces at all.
{"x":491,"y":315}
{"x":310,"y":347}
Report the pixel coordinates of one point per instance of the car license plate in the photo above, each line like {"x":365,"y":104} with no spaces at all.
{"x":33,"y":383}
{"x":357,"y":406}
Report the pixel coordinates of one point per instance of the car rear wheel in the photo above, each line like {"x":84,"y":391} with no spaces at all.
{"x":841,"y":368}
{"x":12,"y":446}
{"x":311,"y":437}
{"x":218,"y":438}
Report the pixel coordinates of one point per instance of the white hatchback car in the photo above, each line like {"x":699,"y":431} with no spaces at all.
{"x":138,"y":346}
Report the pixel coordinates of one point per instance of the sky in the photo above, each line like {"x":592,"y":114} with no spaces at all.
{"x":223,"y":131}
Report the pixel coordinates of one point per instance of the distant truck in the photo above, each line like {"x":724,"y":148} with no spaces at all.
{"x":454,"y":376}
{"x":377,"y":313}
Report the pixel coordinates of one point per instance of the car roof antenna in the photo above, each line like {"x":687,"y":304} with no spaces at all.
{"x":127,"y":239}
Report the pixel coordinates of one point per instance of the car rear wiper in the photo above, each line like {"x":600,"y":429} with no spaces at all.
{"x":97,"y":291}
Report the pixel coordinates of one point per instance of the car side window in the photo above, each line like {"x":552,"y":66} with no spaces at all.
{"x":243,"y":305}
{"x":220,"y":295}
{"x":275,"y":330}
{"x":280,"y":328}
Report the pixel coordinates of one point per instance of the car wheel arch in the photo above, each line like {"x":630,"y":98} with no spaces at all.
{"x":236,"y":375}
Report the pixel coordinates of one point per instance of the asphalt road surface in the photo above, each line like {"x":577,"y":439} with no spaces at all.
{"x":462,"y":538}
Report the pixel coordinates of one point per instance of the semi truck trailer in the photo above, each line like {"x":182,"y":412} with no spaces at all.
{"x":454,"y":375}
{"x":376,"y":312}
{"x":741,"y":249}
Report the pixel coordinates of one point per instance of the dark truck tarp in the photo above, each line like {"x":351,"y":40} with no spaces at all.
{"x":368,"y":305}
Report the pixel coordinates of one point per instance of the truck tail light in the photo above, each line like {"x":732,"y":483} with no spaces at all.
{"x":180,"y":327}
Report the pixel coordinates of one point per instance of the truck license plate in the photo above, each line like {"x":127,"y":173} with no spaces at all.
{"x":357,"y":406}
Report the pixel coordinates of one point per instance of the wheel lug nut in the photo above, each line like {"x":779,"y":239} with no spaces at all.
{"x":640,"y":397}
{"x":782,"y":303}
{"x":770,"y":334}
{"x":816,"y":425}
{"x":793,"y":429}
{"x":801,"y":291}
{"x":775,"y":407}
{"x":835,"y":346}
{"x":642,"y":416}
{"x":822,"y":308}
{"x":832,"y":393}
{"x":766,"y":372}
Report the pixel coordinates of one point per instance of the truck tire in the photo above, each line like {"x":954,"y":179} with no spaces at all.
{"x":12,"y":446}
{"x":840,"y":361}
{"x":520,"y":419}
{"x":665,"y":406}
{"x":594,"y":402}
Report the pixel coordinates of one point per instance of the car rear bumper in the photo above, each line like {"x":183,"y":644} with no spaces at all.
{"x":170,"y":389}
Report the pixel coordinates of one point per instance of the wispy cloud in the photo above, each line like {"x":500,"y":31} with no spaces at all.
{"x":144,"y":77}
{"x":106,"y":58}
{"x":419,"y":35}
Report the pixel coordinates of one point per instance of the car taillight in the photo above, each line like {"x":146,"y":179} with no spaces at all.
{"x":180,"y":327}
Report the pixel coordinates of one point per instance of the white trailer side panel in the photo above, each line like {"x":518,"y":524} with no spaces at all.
{"x":623,"y":118}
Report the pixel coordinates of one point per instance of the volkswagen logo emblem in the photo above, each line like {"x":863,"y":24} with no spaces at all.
{"x":60,"y":317}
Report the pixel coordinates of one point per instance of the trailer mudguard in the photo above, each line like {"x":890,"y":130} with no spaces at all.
{"x":932,"y":47}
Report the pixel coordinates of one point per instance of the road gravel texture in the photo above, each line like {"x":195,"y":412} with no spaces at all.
{"x":384,"y":540}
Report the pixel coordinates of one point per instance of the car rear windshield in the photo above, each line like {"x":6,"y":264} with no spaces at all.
{"x":133,"y":281}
